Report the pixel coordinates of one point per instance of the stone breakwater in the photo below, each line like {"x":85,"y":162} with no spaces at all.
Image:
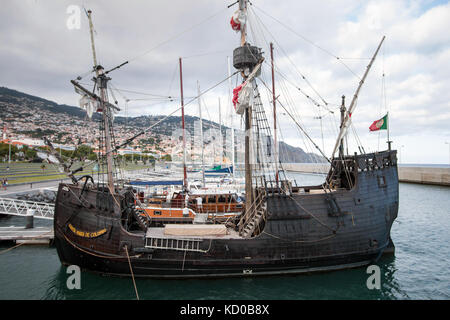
{"x":42,"y":195}
{"x":422,"y":175}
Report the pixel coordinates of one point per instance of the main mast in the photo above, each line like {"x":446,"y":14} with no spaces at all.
{"x":101,"y":81}
{"x":248,"y":121}
{"x":248,"y":60}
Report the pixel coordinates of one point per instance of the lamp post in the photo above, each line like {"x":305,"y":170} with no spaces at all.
{"x":448,"y":151}
{"x":401,"y":147}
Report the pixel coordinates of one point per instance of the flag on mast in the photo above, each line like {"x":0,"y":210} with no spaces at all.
{"x":379,"y":124}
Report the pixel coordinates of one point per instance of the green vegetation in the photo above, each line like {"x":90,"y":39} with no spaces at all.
{"x":166,"y":157}
{"x":38,"y":133}
{"x":20,"y":172}
{"x":4,"y":151}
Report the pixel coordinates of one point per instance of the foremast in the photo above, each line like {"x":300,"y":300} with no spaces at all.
{"x":101,"y":81}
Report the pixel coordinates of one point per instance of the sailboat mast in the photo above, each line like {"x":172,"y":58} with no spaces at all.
{"x":220,"y":134}
{"x":201,"y":134}
{"x":102,"y":81}
{"x":231,"y":118}
{"x":183,"y":128}
{"x":274,"y":115}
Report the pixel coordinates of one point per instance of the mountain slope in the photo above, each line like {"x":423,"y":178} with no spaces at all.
{"x":30,"y":115}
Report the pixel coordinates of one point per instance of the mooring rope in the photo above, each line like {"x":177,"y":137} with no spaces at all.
{"x":132,"y":274}
{"x":6,"y":250}
{"x":22,"y":243}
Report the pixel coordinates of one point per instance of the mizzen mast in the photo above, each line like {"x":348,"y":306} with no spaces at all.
{"x":346,"y":121}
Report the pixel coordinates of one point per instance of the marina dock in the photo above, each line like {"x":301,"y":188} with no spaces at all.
{"x":37,"y":235}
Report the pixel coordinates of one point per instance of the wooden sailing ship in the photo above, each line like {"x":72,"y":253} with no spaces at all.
{"x":344,"y":222}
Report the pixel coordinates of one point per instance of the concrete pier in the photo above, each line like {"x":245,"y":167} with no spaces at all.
{"x":422,"y":175}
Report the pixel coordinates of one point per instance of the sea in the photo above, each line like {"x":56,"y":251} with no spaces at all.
{"x":417,"y":270}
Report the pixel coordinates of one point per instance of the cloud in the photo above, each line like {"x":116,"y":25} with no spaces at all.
{"x":39,"y":55}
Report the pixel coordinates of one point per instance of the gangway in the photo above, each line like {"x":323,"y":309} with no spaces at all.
{"x":23,"y":208}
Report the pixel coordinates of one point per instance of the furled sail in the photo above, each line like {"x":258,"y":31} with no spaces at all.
{"x":237,"y":20}
{"x":88,"y":104}
{"x":243,"y":94}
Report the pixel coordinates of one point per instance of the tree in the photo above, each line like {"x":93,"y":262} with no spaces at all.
{"x":83,"y":151}
{"x":128,"y":157}
{"x":4,"y":150}
{"x":92,"y":156}
{"x":30,"y":153}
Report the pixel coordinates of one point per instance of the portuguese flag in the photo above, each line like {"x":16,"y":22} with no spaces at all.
{"x":379,"y":124}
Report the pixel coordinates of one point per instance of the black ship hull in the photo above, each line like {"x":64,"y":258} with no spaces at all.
{"x":307,"y":231}
{"x":174,"y":268}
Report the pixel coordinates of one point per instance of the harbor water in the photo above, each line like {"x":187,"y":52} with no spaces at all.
{"x":418,"y":270}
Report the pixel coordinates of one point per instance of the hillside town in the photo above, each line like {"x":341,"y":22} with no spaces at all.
{"x":26,"y":121}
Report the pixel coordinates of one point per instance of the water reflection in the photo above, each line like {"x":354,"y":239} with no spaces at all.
{"x":344,"y":284}
{"x":390,"y":286}
{"x":56,"y":285}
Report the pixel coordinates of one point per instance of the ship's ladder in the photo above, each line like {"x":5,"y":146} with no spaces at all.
{"x":250,"y":222}
{"x":140,"y":214}
{"x":192,"y":244}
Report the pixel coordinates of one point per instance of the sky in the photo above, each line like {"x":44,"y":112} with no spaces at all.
{"x":321,"y":50}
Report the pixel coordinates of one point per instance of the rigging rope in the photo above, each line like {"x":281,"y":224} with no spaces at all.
{"x":132,"y":274}
{"x":289,"y":59}
{"x":285,"y":90}
{"x":128,"y":141}
{"x":310,"y":42}
{"x":178,"y":35}
{"x":22,"y":243}
{"x":303,"y":130}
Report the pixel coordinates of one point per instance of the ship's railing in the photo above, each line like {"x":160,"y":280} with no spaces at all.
{"x":23,"y":208}
{"x":174,"y":244}
{"x":351,"y":165}
{"x":369,"y":161}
